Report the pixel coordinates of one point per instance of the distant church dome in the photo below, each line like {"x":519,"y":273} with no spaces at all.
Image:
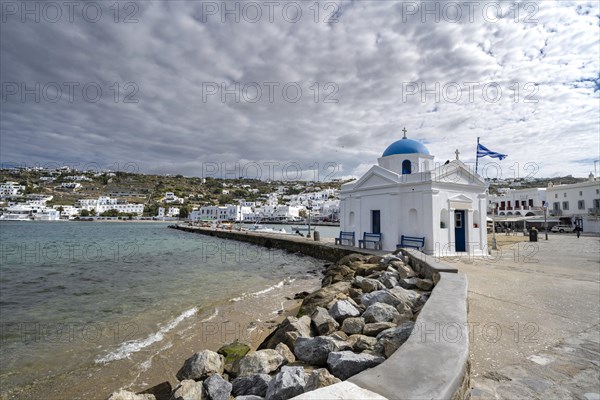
{"x":405,"y":146}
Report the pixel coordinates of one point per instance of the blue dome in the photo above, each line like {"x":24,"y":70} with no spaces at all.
{"x":405,"y":146}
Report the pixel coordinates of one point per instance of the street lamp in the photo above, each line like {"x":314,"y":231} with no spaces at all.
{"x":545,"y":220}
{"x":494,"y":247}
{"x":309,"y":207}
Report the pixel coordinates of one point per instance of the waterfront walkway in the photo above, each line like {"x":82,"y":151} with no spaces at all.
{"x":534,"y":317}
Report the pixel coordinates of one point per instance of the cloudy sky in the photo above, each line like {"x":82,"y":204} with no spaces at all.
{"x":221,"y":89}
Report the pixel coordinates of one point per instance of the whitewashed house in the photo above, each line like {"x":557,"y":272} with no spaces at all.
{"x":577,"y":203}
{"x":405,"y":195}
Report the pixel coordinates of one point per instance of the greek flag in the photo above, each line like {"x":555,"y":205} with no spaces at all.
{"x":483,"y":151}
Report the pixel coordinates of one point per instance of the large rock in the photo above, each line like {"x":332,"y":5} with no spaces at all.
{"x":361,"y":343}
{"x":368,"y":269}
{"x":320,"y":378}
{"x":406,"y":296}
{"x":323,"y":322}
{"x":425,"y":284}
{"x":403,"y":270}
{"x":288,"y":383}
{"x":344,"y":364}
{"x":380,"y":312}
{"x":405,"y":314}
{"x":338,"y":273}
{"x":380,"y":296}
{"x":233,"y":352}
{"x":351,"y":258}
{"x":217,"y":388}
{"x":288,"y":356}
{"x":343,"y":309}
{"x":357,"y":281}
{"x":260,"y":362}
{"x":377,"y":327}
{"x":353,"y":325}
{"x":322,"y":297}
{"x":251,"y":385}
{"x":161,"y":391}
{"x":388,"y":258}
{"x":201,"y":365}
{"x":369,"y":285}
{"x":389,"y":340}
{"x":287,"y":332}
{"x":389,"y":280}
{"x":188,"y":389}
{"x":126,"y":395}
{"x":408,"y":283}
{"x":314,"y":351}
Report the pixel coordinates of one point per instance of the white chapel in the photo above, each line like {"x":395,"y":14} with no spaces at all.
{"x":405,"y":194}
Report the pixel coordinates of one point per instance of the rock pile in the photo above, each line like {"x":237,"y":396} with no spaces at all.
{"x":363,"y":313}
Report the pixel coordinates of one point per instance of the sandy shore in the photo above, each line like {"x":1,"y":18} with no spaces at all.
{"x":248,"y":319}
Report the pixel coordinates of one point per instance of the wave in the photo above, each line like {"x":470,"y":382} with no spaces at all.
{"x":129,"y":347}
{"x":213,"y":315}
{"x":278,"y":285}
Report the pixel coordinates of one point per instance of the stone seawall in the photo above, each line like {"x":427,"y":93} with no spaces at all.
{"x":432,"y":364}
{"x":295,"y":244}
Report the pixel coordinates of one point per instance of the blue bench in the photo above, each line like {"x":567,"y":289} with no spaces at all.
{"x":374,"y":238}
{"x":411,"y":241}
{"x":347,"y":236}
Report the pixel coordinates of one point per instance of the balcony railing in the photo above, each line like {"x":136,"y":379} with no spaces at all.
{"x":556,"y":212}
{"x":594,"y":211}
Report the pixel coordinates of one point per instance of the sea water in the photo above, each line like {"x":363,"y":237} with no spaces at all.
{"x":80,"y":294}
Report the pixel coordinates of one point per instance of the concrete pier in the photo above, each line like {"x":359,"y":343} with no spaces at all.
{"x":325,"y":250}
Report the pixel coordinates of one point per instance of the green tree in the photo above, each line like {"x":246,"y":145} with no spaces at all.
{"x":84,"y":213}
{"x":184,"y":212}
{"x":110,"y":213}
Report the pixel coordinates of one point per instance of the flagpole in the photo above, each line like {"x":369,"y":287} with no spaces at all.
{"x":476,"y":157}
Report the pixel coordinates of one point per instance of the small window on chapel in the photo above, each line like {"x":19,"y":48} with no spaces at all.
{"x":406,"y":167}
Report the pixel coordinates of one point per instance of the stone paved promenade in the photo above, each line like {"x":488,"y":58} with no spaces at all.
{"x":534,"y":320}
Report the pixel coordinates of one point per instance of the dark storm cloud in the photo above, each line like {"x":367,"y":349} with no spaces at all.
{"x":355,"y":75}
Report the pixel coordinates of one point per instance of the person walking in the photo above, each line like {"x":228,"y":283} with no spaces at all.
{"x":578,"y":231}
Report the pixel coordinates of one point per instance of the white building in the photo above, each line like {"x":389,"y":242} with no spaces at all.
{"x":105,"y":203}
{"x":521,"y":202}
{"x":10,"y":189}
{"x":67,"y":211}
{"x":171,"y":198}
{"x":30,"y":211}
{"x":577,"y":203}
{"x":70,"y":185}
{"x":404,"y":195}
{"x":229,"y":212}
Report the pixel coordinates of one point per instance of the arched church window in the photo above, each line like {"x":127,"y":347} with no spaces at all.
{"x":351,"y":219}
{"x":406,"y":167}
{"x":443,"y":218}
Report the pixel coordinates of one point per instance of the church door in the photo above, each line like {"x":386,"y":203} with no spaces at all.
{"x":375,"y":221}
{"x":459,"y":230}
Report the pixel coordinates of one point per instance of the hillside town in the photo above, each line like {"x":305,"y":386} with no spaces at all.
{"x":50,"y":194}
{"x":67,"y":194}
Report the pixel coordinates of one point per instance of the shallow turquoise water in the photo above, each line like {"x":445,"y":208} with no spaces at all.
{"x":81,"y":292}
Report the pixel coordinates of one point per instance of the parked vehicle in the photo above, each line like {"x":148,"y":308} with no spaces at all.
{"x":562,"y":228}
